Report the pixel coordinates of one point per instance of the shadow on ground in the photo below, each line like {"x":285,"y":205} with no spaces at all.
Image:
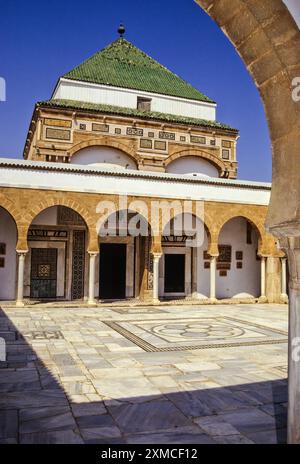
{"x":34,"y":408}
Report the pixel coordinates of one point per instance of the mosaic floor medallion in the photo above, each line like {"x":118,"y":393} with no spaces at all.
{"x":191,"y":334}
{"x":41,"y":335}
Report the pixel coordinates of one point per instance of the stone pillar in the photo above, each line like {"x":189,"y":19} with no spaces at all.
{"x":92,"y":275}
{"x":195,"y":293}
{"x":20,"y":283}
{"x":293,"y":254}
{"x":273,"y":279}
{"x":263,"y":298}
{"x":284,"y":297}
{"x":156,"y":261}
{"x":213,"y":272}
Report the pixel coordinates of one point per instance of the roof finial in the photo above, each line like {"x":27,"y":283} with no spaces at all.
{"x":121,"y":29}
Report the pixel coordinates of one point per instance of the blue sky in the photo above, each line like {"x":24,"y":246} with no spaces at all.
{"x":40,"y":41}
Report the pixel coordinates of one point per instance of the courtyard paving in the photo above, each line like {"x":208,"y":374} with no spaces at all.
{"x":154,"y":375}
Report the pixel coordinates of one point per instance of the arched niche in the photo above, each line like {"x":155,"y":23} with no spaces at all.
{"x":193,"y":165}
{"x":104,"y":156}
{"x":238,"y":274}
{"x":8,"y":262}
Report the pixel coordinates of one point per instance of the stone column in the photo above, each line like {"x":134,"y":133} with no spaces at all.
{"x":92,"y":275}
{"x":20,"y":283}
{"x":195,"y":294}
{"x":284,"y":297}
{"x":156,"y":261}
{"x":213,"y":272}
{"x":263,"y":298}
{"x":293,"y":253}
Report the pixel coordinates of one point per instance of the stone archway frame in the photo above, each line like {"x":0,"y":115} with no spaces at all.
{"x":15,"y":215}
{"x":198,"y":153}
{"x":9,"y":208}
{"x":267,"y":39}
{"x":71,"y":204}
{"x":263,"y":241}
{"x":106,"y":141}
{"x":205,"y":222}
{"x":132,"y":209}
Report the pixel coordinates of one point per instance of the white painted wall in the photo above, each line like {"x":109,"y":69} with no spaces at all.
{"x":239,"y":281}
{"x":8,"y":235}
{"x":127,"y":98}
{"x":48,"y":217}
{"x":193,"y":165}
{"x":103,"y":156}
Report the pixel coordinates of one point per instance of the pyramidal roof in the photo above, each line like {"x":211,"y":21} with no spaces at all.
{"x":121,"y":64}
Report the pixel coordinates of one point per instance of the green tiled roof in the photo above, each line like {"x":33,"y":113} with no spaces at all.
{"x":117,"y":110}
{"x":121,"y":64}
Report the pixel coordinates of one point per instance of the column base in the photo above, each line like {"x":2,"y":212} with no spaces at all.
{"x":262,"y":299}
{"x":20,"y":304}
{"x":213,"y":300}
{"x":155,"y":301}
{"x":284,"y":299}
{"x":92,"y":302}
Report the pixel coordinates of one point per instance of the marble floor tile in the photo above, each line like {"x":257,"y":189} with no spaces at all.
{"x":72,"y":378}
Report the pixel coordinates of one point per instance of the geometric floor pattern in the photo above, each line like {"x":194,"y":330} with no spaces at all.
{"x":127,"y":375}
{"x":191,"y":334}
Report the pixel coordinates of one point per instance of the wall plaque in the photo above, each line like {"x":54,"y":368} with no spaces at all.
{"x":223,"y":266}
{"x":135,"y":131}
{"x":167,"y":135}
{"x":226,"y":144}
{"x":239,"y":265}
{"x":82,"y":126}
{"x":118,"y":131}
{"x":206,"y":255}
{"x":58,"y":122}
{"x":2,"y":248}
{"x":160,"y":145}
{"x":226,"y":154}
{"x":225,"y":254}
{"x":182,"y":138}
{"x":58,"y":134}
{"x":145,"y":143}
{"x":2,"y":262}
{"x":151,"y":134}
{"x":100,"y":127}
{"x":239,"y":256}
{"x":196,"y":139}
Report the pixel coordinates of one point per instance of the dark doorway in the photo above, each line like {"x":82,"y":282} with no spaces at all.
{"x":174,"y":273}
{"x":43,"y":280}
{"x":113,"y":272}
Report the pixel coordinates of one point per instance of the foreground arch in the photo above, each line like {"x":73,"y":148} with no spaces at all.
{"x":267,"y":38}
